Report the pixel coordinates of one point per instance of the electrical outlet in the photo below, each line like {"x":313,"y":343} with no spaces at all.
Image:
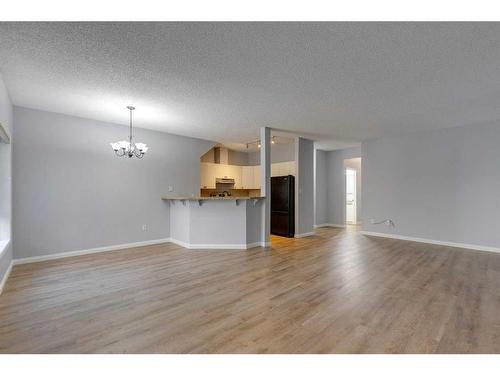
{"x":144,"y":227}
{"x":170,"y":188}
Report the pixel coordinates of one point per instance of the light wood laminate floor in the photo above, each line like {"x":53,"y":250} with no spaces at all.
{"x":336,"y":292}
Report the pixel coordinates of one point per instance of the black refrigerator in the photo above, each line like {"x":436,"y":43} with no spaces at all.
{"x":283,"y":206}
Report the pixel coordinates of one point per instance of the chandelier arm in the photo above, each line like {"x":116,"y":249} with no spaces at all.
{"x":138,"y":153}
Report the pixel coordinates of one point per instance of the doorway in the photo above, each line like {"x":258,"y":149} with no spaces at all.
{"x":350,"y":196}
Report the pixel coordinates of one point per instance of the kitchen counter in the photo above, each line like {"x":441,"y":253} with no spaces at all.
{"x":199,"y":198}
{"x":216,"y":222}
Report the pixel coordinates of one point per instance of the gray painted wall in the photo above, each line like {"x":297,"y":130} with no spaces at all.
{"x":441,"y":185}
{"x":237,"y":157}
{"x":321,"y":188}
{"x":254,"y":158}
{"x":265,"y":184}
{"x":254,"y":222}
{"x":209,"y":223}
{"x":208,"y":157}
{"x":234,"y":157}
{"x":71,"y":192}
{"x":304,"y":186}
{"x":336,"y":183}
{"x":6,"y":119}
{"x":279,"y":153}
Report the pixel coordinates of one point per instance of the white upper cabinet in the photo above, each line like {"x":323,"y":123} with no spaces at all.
{"x":221,"y":171}
{"x":235,"y":171}
{"x":289,"y":168}
{"x":210,"y":171}
{"x":245,"y":177}
{"x":274,"y":170}
{"x":256,"y":177}
{"x":283,"y":169}
{"x":207,"y":175}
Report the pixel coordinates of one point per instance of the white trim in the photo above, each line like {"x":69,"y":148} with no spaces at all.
{"x":321,"y":225}
{"x":432,"y":242}
{"x":138,"y":244}
{"x":3,"y":245}
{"x":330,"y":225}
{"x":88,"y":251}
{"x":4,"y":134}
{"x":180,"y":243}
{"x":257,"y":244}
{"x":219,"y":246}
{"x":300,"y":235}
{"x":5,"y":277}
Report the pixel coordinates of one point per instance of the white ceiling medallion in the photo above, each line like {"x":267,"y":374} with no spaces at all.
{"x":129,"y":148}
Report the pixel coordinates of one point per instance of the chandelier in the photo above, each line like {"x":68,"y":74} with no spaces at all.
{"x":129,"y":148}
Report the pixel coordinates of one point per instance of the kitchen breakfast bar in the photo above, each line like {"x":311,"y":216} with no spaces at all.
{"x":216,"y":222}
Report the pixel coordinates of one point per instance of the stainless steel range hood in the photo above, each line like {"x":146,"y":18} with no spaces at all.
{"x":229,"y":181}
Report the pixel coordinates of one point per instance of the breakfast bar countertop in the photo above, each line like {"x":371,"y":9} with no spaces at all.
{"x":198,"y":198}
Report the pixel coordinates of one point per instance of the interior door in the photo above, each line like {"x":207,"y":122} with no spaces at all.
{"x":350,"y":196}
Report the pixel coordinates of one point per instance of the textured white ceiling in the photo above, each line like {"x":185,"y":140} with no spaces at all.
{"x":338,"y":83}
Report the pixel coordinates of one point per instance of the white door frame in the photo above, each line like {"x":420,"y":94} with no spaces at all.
{"x":355,"y":195}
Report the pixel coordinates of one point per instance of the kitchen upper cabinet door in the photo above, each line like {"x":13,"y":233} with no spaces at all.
{"x":274,"y":169}
{"x":212,"y":174}
{"x":290,"y":167}
{"x":207,"y":175}
{"x":279,"y":169}
{"x":203,"y":176}
{"x":283,"y":169}
{"x":247,"y":177}
{"x":220,"y":171}
{"x":256,"y":177}
{"x":235,"y":172}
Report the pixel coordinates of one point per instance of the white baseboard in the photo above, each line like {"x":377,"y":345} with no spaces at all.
{"x":432,"y":242}
{"x":330,"y":225}
{"x":136,"y":244}
{"x":320,"y":225}
{"x":5,"y":277}
{"x":180,"y":243}
{"x":300,"y":235}
{"x":88,"y":251}
{"x":258,"y":244}
{"x":218,"y":246}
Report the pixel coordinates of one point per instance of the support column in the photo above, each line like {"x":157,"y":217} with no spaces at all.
{"x":304,"y":187}
{"x":265,"y":183}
